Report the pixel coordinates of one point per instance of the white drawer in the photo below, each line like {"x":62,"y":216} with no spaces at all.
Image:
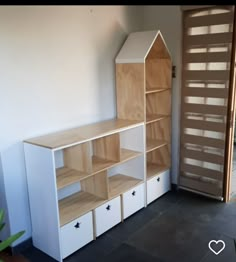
{"x":133,"y":200}
{"x":107,"y":215}
{"x":158,"y":186}
{"x":76,"y":234}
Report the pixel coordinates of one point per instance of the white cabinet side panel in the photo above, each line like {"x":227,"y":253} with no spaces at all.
{"x":133,"y":139}
{"x":43,"y":199}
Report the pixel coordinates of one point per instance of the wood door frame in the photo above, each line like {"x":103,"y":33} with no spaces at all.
{"x":229,"y":136}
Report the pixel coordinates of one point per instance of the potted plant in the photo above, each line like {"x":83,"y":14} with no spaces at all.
{"x":5,"y":256}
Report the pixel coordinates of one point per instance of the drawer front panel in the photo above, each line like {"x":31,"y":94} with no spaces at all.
{"x":76,"y":234}
{"x":133,"y":200}
{"x":107,"y":215}
{"x":157,"y":186}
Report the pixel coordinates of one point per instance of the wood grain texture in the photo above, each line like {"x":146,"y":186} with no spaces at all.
{"x":100,"y":164}
{"x":160,"y":156}
{"x":107,"y":147}
{"x":159,"y":103}
{"x":158,"y":74}
{"x":67,"y":176}
{"x":158,"y":49}
{"x":120,"y":183}
{"x":152,"y":144}
{"x":130,"y":88}
{"x":160,"y":130}
{"x":77,"y":205}
{"x":83,"y":133}
{"x":78,"y":157}
{"x":155,"y":117}
{"x":155,"y":169}
{"x":96,"y":185}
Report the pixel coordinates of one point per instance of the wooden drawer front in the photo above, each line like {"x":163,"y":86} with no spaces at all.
{"x":107,"y":215}
{"x":157,"y":186}
{"x":133,"y":200}
{"x":76,"y":234}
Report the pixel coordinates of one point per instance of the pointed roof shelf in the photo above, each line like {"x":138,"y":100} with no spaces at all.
{"x":140,"y":46}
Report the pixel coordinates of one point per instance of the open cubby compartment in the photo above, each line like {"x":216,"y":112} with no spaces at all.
{"x":125,"y":176}
{"x":105,"y":152}
{"x":158,"y":105}
{"x":82,"y":197}
{"x":131,"y":143}
{"x":158,"y":134}
{"x":158,"y":160}
{"x":72,"y":164}
{"x":158,"y":74}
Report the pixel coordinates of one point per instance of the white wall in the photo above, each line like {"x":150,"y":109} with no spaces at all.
{"x":168,"y":20}
{"x":56,"y":71}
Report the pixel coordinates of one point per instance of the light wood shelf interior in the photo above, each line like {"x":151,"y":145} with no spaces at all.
{"x":158,"y":103}
{"x":158,"y":134}
{"x":150,"y":90}
{"x":67,"y":176}
{"x":77,"y":205}
{"x":154,"y":117}
{"x":100,"y":164}
{"x":120,"y":183}
{"x":153,"y":144}
{"x":158,"y":160}
{"x":155,"y":169}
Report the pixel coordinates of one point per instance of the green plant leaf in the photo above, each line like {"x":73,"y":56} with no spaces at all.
{"x":6,"y":243}
{"x":1,"y":215}
{"x":1,"y":227}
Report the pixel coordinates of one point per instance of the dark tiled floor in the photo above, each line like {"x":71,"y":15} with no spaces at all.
{"x":176,"y":227}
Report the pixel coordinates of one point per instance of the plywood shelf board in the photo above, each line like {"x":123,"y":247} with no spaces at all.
{"x":153,"y":144}
{"x":67,"y":176}
{"x":155,"y":89}
{"x":77,"y":135}
{"x":77,"y":205}
{"x":155,"y":117}
{"x":155,"y":169}
{"x":99,"y":164}
{"x":120,"y":183}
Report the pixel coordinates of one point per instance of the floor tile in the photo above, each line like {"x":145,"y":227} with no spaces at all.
{"x":228,"y":254}
{"x":126,"y":253}
{"x":99,"y":248}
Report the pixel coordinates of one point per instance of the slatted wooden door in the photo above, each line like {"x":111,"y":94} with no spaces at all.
{"x":207,"y":45}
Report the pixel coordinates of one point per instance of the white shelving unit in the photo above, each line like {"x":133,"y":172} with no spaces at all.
{"x":82,"y":182}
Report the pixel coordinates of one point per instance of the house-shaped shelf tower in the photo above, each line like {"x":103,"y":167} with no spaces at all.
{"x":143,"y":89}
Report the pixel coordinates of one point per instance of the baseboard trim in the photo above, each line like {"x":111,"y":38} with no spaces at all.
{"x":18,"y":249}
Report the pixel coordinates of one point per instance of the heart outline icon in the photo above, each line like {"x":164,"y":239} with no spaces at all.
{"x":216,"y":242}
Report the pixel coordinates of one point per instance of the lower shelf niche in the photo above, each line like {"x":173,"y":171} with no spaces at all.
{"x":119,"y":184}
{"x":83,"y":197}
{"x":158,"y":161}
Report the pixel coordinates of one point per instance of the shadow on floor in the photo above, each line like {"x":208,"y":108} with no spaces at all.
{"x":176,"y":227}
